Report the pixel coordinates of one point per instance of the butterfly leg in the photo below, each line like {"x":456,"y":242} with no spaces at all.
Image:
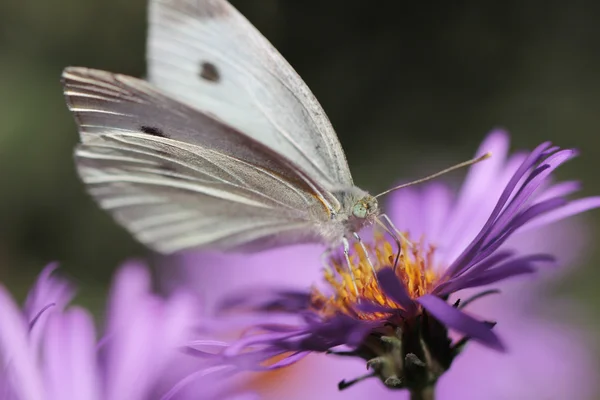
{"x":364,"y":249}
{"x":399,"y":234}
{"x":347,"y":256}
{"x":396,"y":235}
{"x":325,"y":257}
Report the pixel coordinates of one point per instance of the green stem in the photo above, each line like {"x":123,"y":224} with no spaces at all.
{"x":424,"y":394}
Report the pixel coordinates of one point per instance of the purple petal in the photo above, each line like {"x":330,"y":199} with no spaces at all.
{"x":48,"y":289}
{"x":519,"y":266}
{"x":405,"y":210}
{"x":267,"y":298}
{"x":559,"y":189}
{"x":336,"y":331}
{"x":195,"y":382}
{"x":394,"y":289}
{"x":499,"y":274}
{"x":536,"y":179}
{"x":244,"y":396}
{"x":478,"y":195}
{"x":130,"y":285}
{"x":17,"y":357}
{"x":546,"y":360}
{"x":130,"y":355}
{"x":206,"y":347}
{"x":572,"y":208}
{"x":461,"y":322}
{"x":436,"y":201}
{"x":134,"y":341}
{"x":213,"y":275}
{"x":242,"y":344}
{"x":532,"y":212}
{"x":70,"y":357}
{"x":289,"y":360}
{"x":257,"y":360}
{"x":176,"y":322}
{"x":475,"y":183}
{"x":144,"y":333}
{"x":471,"y":251}
{"x":447,"y":287}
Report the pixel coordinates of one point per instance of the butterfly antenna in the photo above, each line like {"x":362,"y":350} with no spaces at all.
{"x":442,"y":172}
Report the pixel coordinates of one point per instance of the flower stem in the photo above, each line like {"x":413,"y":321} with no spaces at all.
{"x":424,"y":394}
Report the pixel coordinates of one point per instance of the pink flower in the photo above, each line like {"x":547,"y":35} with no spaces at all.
{"x":50,"y":351}
{"x":540,"y":350}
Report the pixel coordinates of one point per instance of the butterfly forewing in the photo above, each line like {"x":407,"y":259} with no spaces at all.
{"x":178,"y":178}
{"x":204,"y":52}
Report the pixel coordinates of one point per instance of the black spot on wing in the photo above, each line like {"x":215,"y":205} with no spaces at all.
{"x":151,"y":130}
{"x":209,"y":72}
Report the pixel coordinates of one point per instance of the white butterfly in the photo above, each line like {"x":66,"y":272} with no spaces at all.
{"x":226,"y":148}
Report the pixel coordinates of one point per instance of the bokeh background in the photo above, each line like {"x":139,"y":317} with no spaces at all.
{"x":409,"y":86}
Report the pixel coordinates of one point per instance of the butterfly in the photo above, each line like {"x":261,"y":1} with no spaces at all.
{"x":224,"y":146}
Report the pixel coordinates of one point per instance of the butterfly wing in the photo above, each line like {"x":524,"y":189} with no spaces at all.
{"x":205,"y":53}
{"x":180,"y":179}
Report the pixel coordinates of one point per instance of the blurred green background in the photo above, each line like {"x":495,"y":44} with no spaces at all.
{"x":409,"y":86}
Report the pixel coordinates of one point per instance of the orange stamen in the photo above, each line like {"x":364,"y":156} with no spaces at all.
{"x":415,"y":270}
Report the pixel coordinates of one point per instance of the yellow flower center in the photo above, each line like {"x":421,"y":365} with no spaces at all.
{"x":415,"y":270}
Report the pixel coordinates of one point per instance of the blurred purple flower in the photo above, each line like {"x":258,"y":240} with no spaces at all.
{"x":50,"y":352}
{"x":470,"y":236}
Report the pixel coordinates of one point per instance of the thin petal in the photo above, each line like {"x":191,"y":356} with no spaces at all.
{"x":178,"y":319}
{"x":195,"y":382}
{"x":133,"y":335}
{"x":289,"y":360}
{"x":518,"y":266}
{"x":267,"y":298}
{"x":497,"y":274}
{"x":471,"y":251}
{"x":559,"y":189}
{"x":394,"y":289}
{"x":17,"y":358}
{"x":130,"y":284}
{"x":131,"y":362}
{"x":50,"y":294}
{"x":488,"y":247}
{"x":466,"y":224}
{"x":239,"y":346}
{"x":47,"y":289}
{"x":70,"y":361}
{"x":537,"y":178}
{"x":461,"y":322}
{"x":520,"y":220}
{"x":448,"y":286}
{"x":572,"y":208}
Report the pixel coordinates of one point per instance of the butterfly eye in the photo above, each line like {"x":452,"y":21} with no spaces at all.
{"x":359,"y":210}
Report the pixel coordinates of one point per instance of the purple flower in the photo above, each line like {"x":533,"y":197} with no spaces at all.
{"x":51,"y":352}
{"x":398,"y":322}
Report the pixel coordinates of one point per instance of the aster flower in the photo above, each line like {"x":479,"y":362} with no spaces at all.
{"x":399,"y":322}
{"x":51,"y":352}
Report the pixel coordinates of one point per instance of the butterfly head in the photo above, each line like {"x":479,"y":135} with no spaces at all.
{"x":366,"y":207}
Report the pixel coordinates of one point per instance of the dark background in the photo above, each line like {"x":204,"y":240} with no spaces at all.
{"x":409,"y":86}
